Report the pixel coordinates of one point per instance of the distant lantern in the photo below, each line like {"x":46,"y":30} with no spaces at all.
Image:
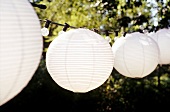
{"x":20,"y":46}
{"x":162,"y":37}
{"x":79,"y":60}
{"x":135,"y":55}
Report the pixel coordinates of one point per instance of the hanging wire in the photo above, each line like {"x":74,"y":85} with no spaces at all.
{"x":66,"y":26}
{"x":48,"y":22}
{"x":41,"y":6}
{"x":59,"y":24}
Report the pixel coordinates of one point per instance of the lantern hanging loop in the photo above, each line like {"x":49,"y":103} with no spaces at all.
{"x":48,"y":22}
{"x":107,"y":32}
{"x":66,"y":26}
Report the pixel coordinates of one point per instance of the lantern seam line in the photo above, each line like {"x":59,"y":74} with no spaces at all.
{"x":93,"y":63}
{"x":125,"y":61}
{"x":15,"y":82}
{"x":160,"y":59}
{"x":143,"y":61}
{"x":159,"y":55}
{"x":66,"y":63}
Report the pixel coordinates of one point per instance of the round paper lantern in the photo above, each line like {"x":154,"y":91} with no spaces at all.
{"x":135,"y":55}
{"x":162,"y":37}
{"x":79,"y":60}
{"x":20,"y":46}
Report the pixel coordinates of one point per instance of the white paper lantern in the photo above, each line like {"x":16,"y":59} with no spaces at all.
{"x":162,"y":37}
{"x":135,"y":55}
{"x":79,"y":60}
{"x":20,"y":46}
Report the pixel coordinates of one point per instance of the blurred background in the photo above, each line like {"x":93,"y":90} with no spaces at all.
{"x":118,"y":93}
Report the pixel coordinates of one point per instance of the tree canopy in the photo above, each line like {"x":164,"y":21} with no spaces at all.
{"x":118,"y":93}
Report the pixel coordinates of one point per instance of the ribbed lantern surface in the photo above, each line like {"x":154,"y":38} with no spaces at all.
{"x":20,"y":46}
{"x":79,"y":60}
{"x":162,"y":37}
{"x":135,"y":55}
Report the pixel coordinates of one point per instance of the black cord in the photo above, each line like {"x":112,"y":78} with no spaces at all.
{"x":59,"y":24}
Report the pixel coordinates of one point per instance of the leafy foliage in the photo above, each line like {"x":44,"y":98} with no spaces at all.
{"x":118,"y":93}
